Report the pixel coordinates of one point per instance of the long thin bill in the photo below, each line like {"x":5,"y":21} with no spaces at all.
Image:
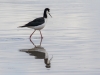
{"x":50,"y":15}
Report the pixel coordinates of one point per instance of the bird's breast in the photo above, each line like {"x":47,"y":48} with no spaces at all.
{"x":39,"y":27}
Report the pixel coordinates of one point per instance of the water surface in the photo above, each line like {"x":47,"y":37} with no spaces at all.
{"x":71,"y":37}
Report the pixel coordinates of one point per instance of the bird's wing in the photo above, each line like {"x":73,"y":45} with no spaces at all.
{"x":36,"y":22}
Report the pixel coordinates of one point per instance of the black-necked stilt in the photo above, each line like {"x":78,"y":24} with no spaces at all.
{"x":38,"y":23}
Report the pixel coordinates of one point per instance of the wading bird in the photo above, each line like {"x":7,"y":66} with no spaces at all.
{"x":38,"y":23}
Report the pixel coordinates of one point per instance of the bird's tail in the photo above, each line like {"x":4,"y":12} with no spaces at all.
{"x":21,"y":26}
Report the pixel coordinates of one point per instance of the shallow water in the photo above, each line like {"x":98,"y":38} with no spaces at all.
{"x":71,"y":38}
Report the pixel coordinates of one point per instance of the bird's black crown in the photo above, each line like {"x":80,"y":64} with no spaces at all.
{"x":47,"y":9}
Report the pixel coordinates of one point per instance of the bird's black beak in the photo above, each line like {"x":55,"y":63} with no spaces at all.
{"x":50,"y":15}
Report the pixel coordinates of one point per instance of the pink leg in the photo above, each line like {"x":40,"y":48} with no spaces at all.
{"x":32,"y":34}
{"x":41,"y":35}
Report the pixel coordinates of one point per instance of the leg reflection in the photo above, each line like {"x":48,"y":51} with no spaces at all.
{"x":34,"y":44}
{"x":40,"y":53}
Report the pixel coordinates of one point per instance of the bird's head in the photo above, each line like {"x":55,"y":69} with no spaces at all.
{"x":46,"y":11}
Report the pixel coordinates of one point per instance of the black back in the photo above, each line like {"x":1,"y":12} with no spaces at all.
{"x":36,"y":22}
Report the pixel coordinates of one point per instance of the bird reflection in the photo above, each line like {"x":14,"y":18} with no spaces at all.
{"x":40,"y":53}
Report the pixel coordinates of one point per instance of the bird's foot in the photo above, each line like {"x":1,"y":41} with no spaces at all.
{"x":35,"y":46}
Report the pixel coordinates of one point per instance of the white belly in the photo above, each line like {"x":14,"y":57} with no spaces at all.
{"x":37,"y":27}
